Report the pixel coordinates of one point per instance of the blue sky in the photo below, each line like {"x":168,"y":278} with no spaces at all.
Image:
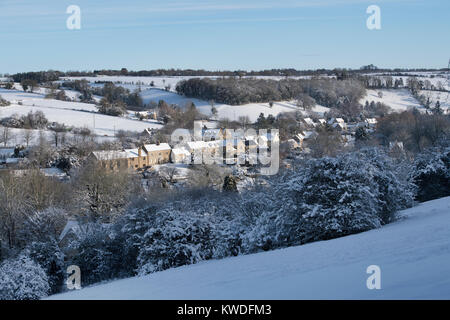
{"x":222,"y":35}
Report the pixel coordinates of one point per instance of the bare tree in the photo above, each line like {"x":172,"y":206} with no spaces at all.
{"x":28,"y":135}
{"x":168,"y":173}
{"x":5,"y":135}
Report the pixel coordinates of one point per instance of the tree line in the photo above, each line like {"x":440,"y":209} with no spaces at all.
{"x":233,"y":91}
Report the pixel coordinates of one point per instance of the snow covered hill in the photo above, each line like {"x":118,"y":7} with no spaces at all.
{"x":71,"y":113}
{"x":413,"y":254}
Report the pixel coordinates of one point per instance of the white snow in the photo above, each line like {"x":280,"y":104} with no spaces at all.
{"x":75,"y":114}
{"x":398,"y":99}
{"x":442,"y":97}
{"x":413,"y":254}
{"x":157,"y":93}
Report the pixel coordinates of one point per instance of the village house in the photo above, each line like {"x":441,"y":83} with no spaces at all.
{"x":156,"y":153}
{"x":338,"y":124}
{"x":309,"y":122}
{"x":180,"y":155}
{"x":371,"y":122}
{"x":138,"y":158}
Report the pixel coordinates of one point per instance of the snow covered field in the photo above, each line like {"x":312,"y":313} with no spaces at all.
{"x":81,"y":114}
{"x":157,"y":93}
{"x":398,"y":99}
{"x":71,"y":113}
{"x":252,"y":110}
{"x":401,"y":99}
{"x":413,"y":254}
{"x":442,"y":97}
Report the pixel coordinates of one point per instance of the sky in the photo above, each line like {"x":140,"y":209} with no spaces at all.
{"x":222,"y":35}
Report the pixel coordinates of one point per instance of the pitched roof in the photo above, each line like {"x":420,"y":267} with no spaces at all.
{"x":109,"y":155}
{"x":180,"y":151}
{"x":157,"y":147}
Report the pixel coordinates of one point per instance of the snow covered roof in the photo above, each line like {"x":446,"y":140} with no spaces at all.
{"x":193,"y":145}
{"x":309,"y":121}
{"x":300,"y":136}
{"x":180,"y":151}
{"x":339,"y":125}
{"x":212,"y":133}
{"x":309,"y":134}
{"x":132,"y":153}
{"x":371,"y":120}
{"x":109,"y":155}
{"x":157,"y":147}
{"x":71,"y":225}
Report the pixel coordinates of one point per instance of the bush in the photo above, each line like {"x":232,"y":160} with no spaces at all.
{"x":3,"y":102}
{"x":50,"y":258}
{"x":431,"y":174}
{"x":178,"y":238}
{"x":22,"y":279}
{"x":329,"y":198}
{"x":100,"y":254}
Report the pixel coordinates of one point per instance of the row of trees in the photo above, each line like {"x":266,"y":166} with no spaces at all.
{"x":287,"y":72}
{"x":416,"y":130}
{"x":327,"y":92}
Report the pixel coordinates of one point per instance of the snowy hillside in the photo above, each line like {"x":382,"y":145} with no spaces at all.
{"x":157,"y":93}
{"x":71,"y":113}
{"x":398,"y":99}
{"x":252,"y":110}
{"x":401,"y":99}
{"x":413,"y":254}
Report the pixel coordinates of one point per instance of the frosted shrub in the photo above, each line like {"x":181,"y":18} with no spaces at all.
{"x":432,"y":174}
{"x":22,"y":279}
{"x":331,"y":197}
{"x":179,"y":238}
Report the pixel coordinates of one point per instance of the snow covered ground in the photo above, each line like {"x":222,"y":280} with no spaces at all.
{"x":413,"y":255}
{"x":157,"y":93}
{"x":398,"y":99}
{"x":75,"y":114}
{"x":401,"y":99}
{"x":442,"y":97}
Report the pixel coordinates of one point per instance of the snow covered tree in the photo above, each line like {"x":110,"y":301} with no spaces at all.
{"x":22,"y":279}
{"x":328,"y":198}
{"x":431,"y":174}
{"x":49,"y":257}
{"x":43,"y":226}
{"x":179,"y":238}
{"x":99,"y":254}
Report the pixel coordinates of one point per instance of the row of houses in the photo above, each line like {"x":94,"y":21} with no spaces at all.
{"x":214,"y":143}
{"x":138,"y":158}
{"x":339,"y":123}
{"x":347,"y":130}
